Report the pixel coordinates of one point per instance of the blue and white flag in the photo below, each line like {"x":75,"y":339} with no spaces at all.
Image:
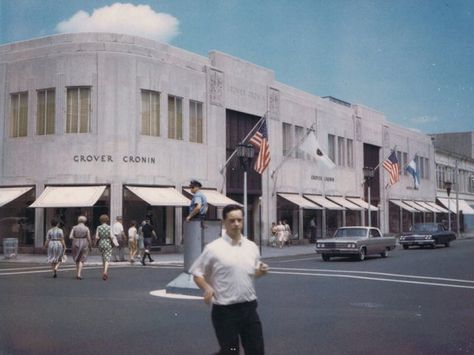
{"x":412,"y":169}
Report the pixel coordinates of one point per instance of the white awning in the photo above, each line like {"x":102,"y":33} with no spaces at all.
{"x":404,"y":206}
{"x":160,"y":196}
{"x":324,"y":202}
{"x":463,"y":205}
{"x":8,"y":194}
{"x":300,"y":201}
{"x":438,"y":207}
{"x":416,"y":206}
{"x":345,"y":203}
{"x":69,"y":196}
{"x":362,"y":203}
{"x":427,"y":206}
{"x":215,"y":198}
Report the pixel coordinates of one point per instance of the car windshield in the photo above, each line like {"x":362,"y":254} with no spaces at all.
{"x":425,"y":227}
{"x":351,"y":232}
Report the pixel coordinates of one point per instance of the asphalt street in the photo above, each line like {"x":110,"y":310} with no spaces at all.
{"x":417,"y":301}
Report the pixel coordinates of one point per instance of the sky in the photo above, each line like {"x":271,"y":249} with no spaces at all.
{"x":413,"y":60}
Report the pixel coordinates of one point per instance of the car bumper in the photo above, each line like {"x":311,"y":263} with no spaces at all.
{"x":417,"y":242}
{"x":338,"y":251}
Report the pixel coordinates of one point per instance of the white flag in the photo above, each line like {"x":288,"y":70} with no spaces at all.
{"x":311,"y":146}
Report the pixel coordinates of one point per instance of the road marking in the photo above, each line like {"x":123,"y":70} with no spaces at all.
{"x":372,"y":279}
{"x":162,"y":293}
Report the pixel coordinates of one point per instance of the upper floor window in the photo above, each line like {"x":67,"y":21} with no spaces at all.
{"x":341,"y":152}
{"x":195,"y":122}
{"x":332,"y":147}
{"x":150,"y":113}
{"x":46,"y":112}
{"x":299,"y":134}
{"x":287,"y":138}
{"x":19,"y":114}
{"x":350,"y":153}
{"x":78,"y":118}
{"x":175,"y":117}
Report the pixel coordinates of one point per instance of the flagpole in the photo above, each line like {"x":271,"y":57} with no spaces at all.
{"x":244,"y":141}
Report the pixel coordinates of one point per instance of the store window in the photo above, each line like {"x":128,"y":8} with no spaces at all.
{"x":175,"y":117}
{"x":19,"y":114}
{"x":287,"y":138}
{"x":195,"y":122}
{"x":341,"y":151}
{"x":332,"y":147}
{"x":350,"y":153}
{"x":45,"y":112}
{"x":78,"y":119}
{"x":150,"y":113}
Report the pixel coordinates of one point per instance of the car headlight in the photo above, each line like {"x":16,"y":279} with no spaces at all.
{"x":427,"y":237}
{"x":351,"y":245}
{"x":320,"y":245}
{"x":402,"y":238}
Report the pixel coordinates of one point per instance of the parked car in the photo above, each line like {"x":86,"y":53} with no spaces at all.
{"x":427,"y":234}
{"x":356,"y":242}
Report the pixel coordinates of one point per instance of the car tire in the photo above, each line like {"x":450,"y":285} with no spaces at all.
{"x":405,"y":246}
{"x":361,"y":255}
{"x":447,"y":244}
{"x":384,"y":254}
{"x":326,"y":257}
{"x":432,"y":246}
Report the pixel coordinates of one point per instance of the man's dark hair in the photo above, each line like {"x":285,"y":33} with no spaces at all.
{"x":54,"y":222}
{"x":230,"y":208}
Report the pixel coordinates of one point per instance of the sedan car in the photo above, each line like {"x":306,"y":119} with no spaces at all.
{"x":427,"y":234}
{"x":357,"y":242}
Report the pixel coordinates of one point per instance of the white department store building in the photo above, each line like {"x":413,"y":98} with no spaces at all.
{"x":106,"y":123}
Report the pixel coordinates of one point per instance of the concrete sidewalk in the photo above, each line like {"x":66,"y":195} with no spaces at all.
{"x":162,"y":259}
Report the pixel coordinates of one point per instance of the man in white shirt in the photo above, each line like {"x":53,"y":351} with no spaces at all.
{"x":118,"y":231}
{"x":226,"y":271}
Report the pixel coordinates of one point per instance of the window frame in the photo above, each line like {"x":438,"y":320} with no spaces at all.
{"x":77,"y":116}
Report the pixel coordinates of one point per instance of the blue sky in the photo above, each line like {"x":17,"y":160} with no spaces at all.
{"x":412,"y":60}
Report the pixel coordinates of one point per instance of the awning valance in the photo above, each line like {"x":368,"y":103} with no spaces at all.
{"x":416,"y":206}
{"x":451,"y":205}
{"x":215,"y":198}
{"x":69,"y":196}
{"x":362,"y":203}
{"x":324,"y":202}
{"x":8,"y":194}
{"x":345,"y":203}
{"x":404,"y":206}
{"x":300,"y":201}
{"x":160,"y":196}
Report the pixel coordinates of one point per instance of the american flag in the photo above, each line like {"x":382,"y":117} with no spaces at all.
{"x":260,"y":141}
{"x":392,"y":166}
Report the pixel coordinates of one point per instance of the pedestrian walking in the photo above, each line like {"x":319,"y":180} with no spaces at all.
{"x":280,"y":234}
{"x":288,"y":233}
{"x":81,"y":244}
{"x":132,"y":241}
{"x":226,"y":272}
{"x":198,"y":206}
{"x":148,"y":235}
{"x":273,"y":238}
{"x":313,"y":226}
{"x":55,"y":246}
{"x":103,"y":237}
{"x":119,"y":252}
{"x":141,"y":241}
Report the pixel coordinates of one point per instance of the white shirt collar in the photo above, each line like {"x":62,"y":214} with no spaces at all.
{"x":229,"y":240}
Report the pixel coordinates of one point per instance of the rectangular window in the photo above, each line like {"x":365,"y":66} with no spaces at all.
{"x":46,"y":112}
{"x":78,"y":118}
{"x":427,"y":168}
{"x":401,"y":167}
{"x":332,"y":147}
{"x":341,"y":151}
{"x":299,"y":134}
{"x":19,"y":114}
{"x":421,"y":165}
{"x":350,"y":153}
{"x":404,"y":163}
{"x":150,"y":113}
{"x":287,"y":139}
{"x":175,"y":117}
{"x":195,"y":122}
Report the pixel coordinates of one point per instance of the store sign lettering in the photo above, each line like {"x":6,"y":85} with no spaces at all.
{"x":104,"y":158}
{"x":320,"y":178}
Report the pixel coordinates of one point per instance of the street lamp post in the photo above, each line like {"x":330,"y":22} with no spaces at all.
{"x":368,"y":175}
{"x":245,"y":153}
{"x":448,"y":185}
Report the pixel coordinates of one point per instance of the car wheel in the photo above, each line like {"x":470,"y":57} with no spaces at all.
{"x":447,"y":244}
{"x":432,"y":246}
{"x":326,"y":257}
{"x":405,"y":247}
{"x":384,"y":254}
{"x":361,"y":256}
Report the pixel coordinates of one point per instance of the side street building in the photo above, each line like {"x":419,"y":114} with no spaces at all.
{"x":105,"y":123}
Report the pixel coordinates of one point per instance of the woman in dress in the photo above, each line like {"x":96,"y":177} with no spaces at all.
{"x":103,"y":236}
{"x":132,"y":241}
{"x":56,"y":247}
{"x":81,"y":244}
{"x":280,"y":234}
{"x":287,"y":232}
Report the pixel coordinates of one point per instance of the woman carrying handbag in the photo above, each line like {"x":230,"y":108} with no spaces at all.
{"x":104,"y":237}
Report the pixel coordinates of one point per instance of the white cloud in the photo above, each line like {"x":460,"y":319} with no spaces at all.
{"x":423,"y":119}
{"x":137,"y":20}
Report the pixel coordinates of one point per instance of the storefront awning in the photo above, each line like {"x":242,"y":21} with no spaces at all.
{"x":8,"y":194}
{"x":345,"y":203}
{"x":404,"y":206}
{"x":438,"y":207}
{"x":69,"y":196}
{"x":416,"y":206}
{"x":215,"y":198}
{"x":362,"y":203}
{"x":324,"y":202}
{"x":427,"y":206}
{"x":160,"y":196}
{"x":463,"y":205}
{"x":300,"y":201}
